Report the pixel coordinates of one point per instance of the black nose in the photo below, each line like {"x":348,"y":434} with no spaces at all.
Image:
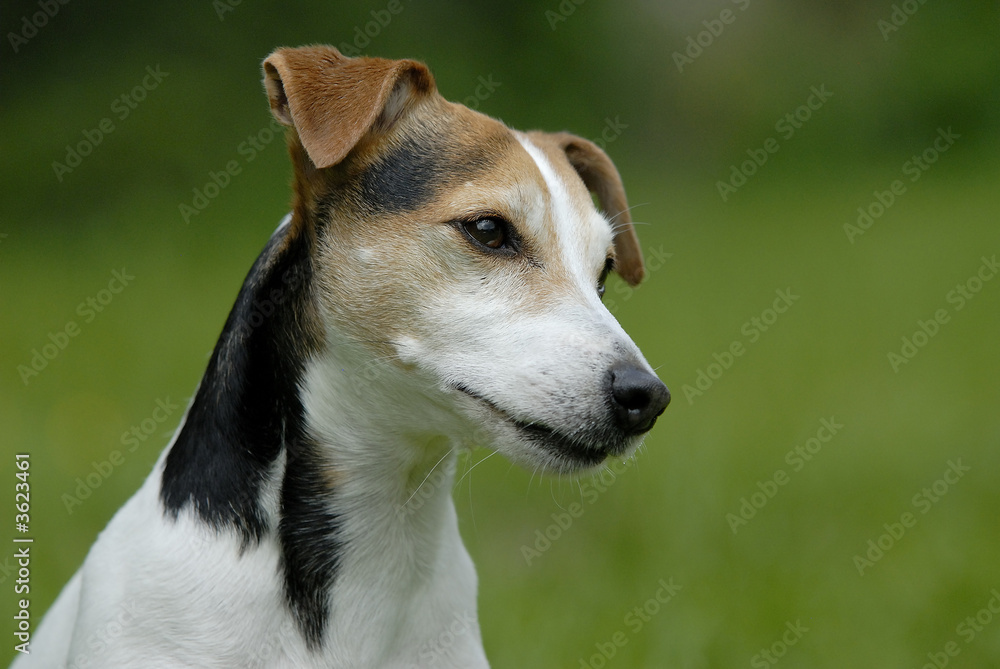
{"x":638,"y":398}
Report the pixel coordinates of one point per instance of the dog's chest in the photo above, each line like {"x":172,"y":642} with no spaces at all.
{"x":189,"y":595}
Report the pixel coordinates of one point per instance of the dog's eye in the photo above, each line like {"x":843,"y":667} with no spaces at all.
{"x":609,"y":265}
{"x":490,"y":232}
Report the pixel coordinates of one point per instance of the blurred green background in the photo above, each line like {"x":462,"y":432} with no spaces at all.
{"x":676,"y":118}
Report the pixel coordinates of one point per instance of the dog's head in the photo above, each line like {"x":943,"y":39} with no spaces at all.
{"x":469,"y":254}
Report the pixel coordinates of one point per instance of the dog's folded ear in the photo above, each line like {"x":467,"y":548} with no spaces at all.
{"x":332,"y":100}
{"x":601,"y":178}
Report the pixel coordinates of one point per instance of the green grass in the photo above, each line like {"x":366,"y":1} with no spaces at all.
{"x":664,"y":518}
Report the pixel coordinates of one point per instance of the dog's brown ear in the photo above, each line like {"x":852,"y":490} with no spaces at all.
{"x":601,"y":178}
{"x":332,"y":100}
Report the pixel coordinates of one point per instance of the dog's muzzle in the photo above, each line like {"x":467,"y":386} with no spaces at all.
{"x":634,"y":399}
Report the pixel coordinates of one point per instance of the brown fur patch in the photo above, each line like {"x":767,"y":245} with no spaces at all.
{"x":333,"y":100}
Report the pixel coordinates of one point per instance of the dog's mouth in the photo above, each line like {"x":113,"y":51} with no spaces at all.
{"x":561,"y":445}
{"x":571,"y":450}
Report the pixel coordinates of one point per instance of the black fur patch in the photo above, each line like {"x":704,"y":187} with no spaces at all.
{"x":246,"y":402}
{"x":412,"y":171}
{"x":247,"y":409}
{"x":403,"y":178}
{"x":310,"y":550}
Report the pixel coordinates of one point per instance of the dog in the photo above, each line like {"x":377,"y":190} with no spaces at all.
{"x":437,"y":285}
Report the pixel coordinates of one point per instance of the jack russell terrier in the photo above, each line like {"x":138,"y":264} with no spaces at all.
{"x":437,"y":285}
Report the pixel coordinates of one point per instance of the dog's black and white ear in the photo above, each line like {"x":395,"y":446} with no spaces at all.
{"x":332,"y":100}
{"x":601,"y":178}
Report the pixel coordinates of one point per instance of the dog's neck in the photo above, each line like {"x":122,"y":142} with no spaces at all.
{"x":401,"y":557}
{"x":297,"y":439}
